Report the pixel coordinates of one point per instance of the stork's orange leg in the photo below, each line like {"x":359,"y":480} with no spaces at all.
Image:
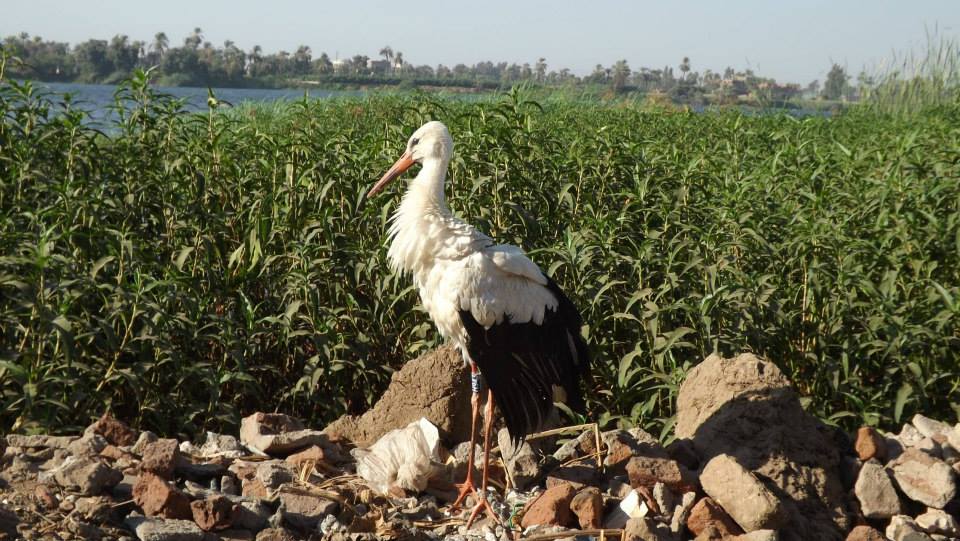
{"x":482,"y":502}
{"x":467,"y":487}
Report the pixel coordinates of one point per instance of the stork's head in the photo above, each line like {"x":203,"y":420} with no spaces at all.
{"x":431,"y":142}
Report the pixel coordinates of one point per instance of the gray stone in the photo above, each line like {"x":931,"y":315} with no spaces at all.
{"x":303,"y":509}
{"x":935,"y":521}
{"x":876,"y":493}
{"x":929,"y":427}
{"x":145,"y":438}
{"x":759,"y":535}
{"x":89,"y":445}
{"x":523,"y":464}
{"x":924,"y":478}
{"x":87,"y":475}
{"x":742,"y":495}
{"x":681,"y":512}
{"x":645,"y":529}
{"x":278,"y":434}
{"x":909,"y":436}
{"x":903,"y":528}
{"x":664,"y":498}
{"x":37,"y":441}
{"x":251,"y":515}
{"x":222,"y":445}
{"x":159,"y":529}
{"x":275,"y":473}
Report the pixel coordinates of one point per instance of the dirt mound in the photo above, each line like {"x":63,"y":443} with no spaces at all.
{"x":435,"y":385}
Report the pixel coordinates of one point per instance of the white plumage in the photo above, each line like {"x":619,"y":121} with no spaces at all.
{"x":511,"y":322}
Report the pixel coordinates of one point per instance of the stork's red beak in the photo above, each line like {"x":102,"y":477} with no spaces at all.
{"x":395,"y":171}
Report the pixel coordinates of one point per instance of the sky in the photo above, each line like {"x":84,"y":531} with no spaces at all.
{"x":790,"y":41}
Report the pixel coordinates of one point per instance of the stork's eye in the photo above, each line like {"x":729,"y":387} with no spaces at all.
{"x":414,"y":142}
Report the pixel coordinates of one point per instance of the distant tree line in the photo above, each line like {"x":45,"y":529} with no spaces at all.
{"x":199,"y":63}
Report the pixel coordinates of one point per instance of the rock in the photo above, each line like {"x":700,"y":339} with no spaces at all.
{"x":213,"y":513}
{"x":630,"y":507}
{"x":435,"y":385}
{"x":228,"y":485}
{"x":684,"y":453}
{"x":876,"y":493}
{"x":758,"y":535}
{"x":145,"y":438}
{"x":707,"y":514}
{"x":938,"y":522}
{"x":275,"y":473}
{"x":588,"y":506}
{"x":745,"y":498}
{"x":903,"y":528}
{"x":158,"y":529}
{"x":551,"y":508}
{"x":929,"y":427}
{"x":909,"y":436}
{"x":924,"y":479}
{"x":94,"y":508}
{"x":523,"y":463}
{"x":275,"y":534}
{"x":576,"y":447}
{"x":865,"y":533}
{"x":254,"y":488}
{"x":222,"y":445}
{"x":304,"y":509}
{"x":278,"y":434}
{"x":664,"y":498}
{"x":158,"y":498}
{"x":161,"y":457}
{"x":46,"y":498}
{"x":577,"y":475}
{"x":123,"y":490}
{"x":645,"y":471}
{"x":236,"y":535}
{"x":746,"y":408}
{"x":251,"y":515}
{"x":622,"y":445}
{"x":645,"y":529}
{"x":870,"y":444}
{"x":313,"y":455}
{"x":89,"y":445}
{"x":87,"y":475}
{"x":38,"y":441}
{"x":114,"y":431}
{"x":681,"y":512}
{"x":953,"y":437}
{"x":929,"y":446}
{"x":199,"y":471}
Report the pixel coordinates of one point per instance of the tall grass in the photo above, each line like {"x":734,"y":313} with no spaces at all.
{"x":187,"y":269}
{"x":914,"y":81}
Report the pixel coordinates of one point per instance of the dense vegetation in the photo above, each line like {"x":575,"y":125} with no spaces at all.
{"x":182,"y":270}
{"x":200,"y":63}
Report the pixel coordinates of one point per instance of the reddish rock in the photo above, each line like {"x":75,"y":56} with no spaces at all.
{"x":579,"y":476}
{"x":160,"y":457}
{"x":707,"y":514}
{"x":865,"y":533}
{"x":158,"y":498}
{"x":312,"y":454}
{"x":870,"y":444}
{"x":588,"y":506}
{"x":552,"y":508}
{"x":216,"y":513}
{"x":645,"y":471}
{"x":46,"y":497}
{"x":114,"y":431}
{"x":254,"y":488}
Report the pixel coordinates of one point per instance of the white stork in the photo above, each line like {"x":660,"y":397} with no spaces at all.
{"x":512,"y":324}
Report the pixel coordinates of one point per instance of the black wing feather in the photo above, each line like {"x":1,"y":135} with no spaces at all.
{"x":521,"y":362}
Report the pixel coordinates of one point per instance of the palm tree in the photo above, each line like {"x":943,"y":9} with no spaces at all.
{"x":194,"y":40}
{"x":398,"y":60}
{"x":387,"y":53}
{"x":160,"y":43}
{"x":685,"y":66}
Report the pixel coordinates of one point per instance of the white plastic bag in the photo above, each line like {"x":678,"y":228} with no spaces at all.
{"x":405,"y":457}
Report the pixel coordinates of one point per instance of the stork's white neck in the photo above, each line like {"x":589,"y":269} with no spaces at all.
{"x":419,"y":220}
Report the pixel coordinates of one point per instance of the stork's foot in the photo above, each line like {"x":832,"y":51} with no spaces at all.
{"x":482,"y":504}
{"x":466,"y":488}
